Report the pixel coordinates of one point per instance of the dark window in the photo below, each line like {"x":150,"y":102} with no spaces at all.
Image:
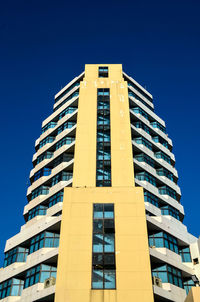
{"x":74,"y":94}
{"x":17,"y":254}
{"x":185,"y":254}
{"x":67,"y":91}
{"x":168,"y":274}
{"x":58,"y":197}
{"x":45,"y":239}
{"x":38,"y":210}
{"x":42,"y":190}
{"x":45,"y":155}
{"x":162,"y":239}
{"x":39,"y":273}
{"x":103,"y":72}
{"x":149,"y":197}
{"x":42,"y":172}
{"x":103,"y":169}
{"x":62,"y":176}
{"x":11,"y":287}
{"x":103,"y":251}
{"x":169,"y":210}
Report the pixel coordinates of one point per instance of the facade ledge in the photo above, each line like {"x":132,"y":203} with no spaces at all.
{"x":59,"y":110}
{"x":55,"y":155}
{"x":36,"y":292}
{"x":11,"y":299}
{"x":33,"y":230}
{"x":172,"y":226}
{"x":33,"y":259}
{"x":170,"y":292}
{"x":59,"y":123}
{"x":40,"y":199}
{"x":170,"y":257}
{"x":160,"y":161}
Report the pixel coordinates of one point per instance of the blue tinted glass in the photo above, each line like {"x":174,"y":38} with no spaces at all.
{"x":187,"y":257}
{"x":163,"y":277}
{"x":108,"y":211}
{"x":44,"y":276}
{"x":109,"y":279}
{"x":109,"y":243}
{"x":15,"y":290}
{"x":31,"y":280}
{"x":49,"y":242}
{"x":97,"y":243}
{"x":53,"y":274}
{"x":159,"y":242}
{"x":97,"y":279}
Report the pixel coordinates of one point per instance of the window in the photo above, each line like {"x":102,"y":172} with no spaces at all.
{"x":149,"y":197}
{"x":64,"y":141}
{"x":165,"y":190}
{"x":103,"y":252}
{"x":11,"y":287}
{"x":169,"y":210}
{"x":165,"y":172}
{"x":140,"y":91}
{"x":42,"y":190}
{"x":163,"y":239}
{"x":38,"y":274}
{"x":58,"y":197}
{"x":48,"y":126}
{"x":41,"y":210}
{"x":62,"y":176}
{"x":103,"y":72}
{"x":142,"y":157}
{"x":162,"y":155}
{"x":66,"y":91}
{"x":142,"y":126}
{"x":45,"y":155}
{"x":74,"y":94}
{"x":158,"y":139}
{"x":168,"y":274}
{"x":185,"y":254}
{"x":143,"y":141}
{"x":66,"y":125}
{"x":68,"y":110}
{"x":62,"y":158}
{"x":47,"y":140}
{"x":146,"y":176}
{"x":103,"y":170}
{"x":17,"y":254}
{"x":132,"y":94}
{"x":38,"y":210}
{"x":45,"y":239}
{"x":138,"y":110}
{"x":43,"y":172}
{"x":159,"y":126}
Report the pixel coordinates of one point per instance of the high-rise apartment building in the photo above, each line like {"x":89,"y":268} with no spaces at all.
{"x":104,"y":220}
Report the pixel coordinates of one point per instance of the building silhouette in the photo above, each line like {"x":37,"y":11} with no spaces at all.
{"x":103,"y":220}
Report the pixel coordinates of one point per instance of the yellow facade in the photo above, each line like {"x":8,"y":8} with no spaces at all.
{"x":133,"y":273}
{"x":194,"y":295}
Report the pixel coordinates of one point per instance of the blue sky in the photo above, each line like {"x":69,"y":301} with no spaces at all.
{"x":44,"y":44}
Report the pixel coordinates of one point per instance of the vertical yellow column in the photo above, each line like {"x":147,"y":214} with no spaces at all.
{"x":193,"y":295}
{"x":121,"y":147}
{"x":133,"y":273}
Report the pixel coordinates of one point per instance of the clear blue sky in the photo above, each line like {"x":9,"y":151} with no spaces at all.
{"x":44,"y":44}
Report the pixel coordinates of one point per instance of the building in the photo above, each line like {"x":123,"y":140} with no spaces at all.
{"x":104,"y":220}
